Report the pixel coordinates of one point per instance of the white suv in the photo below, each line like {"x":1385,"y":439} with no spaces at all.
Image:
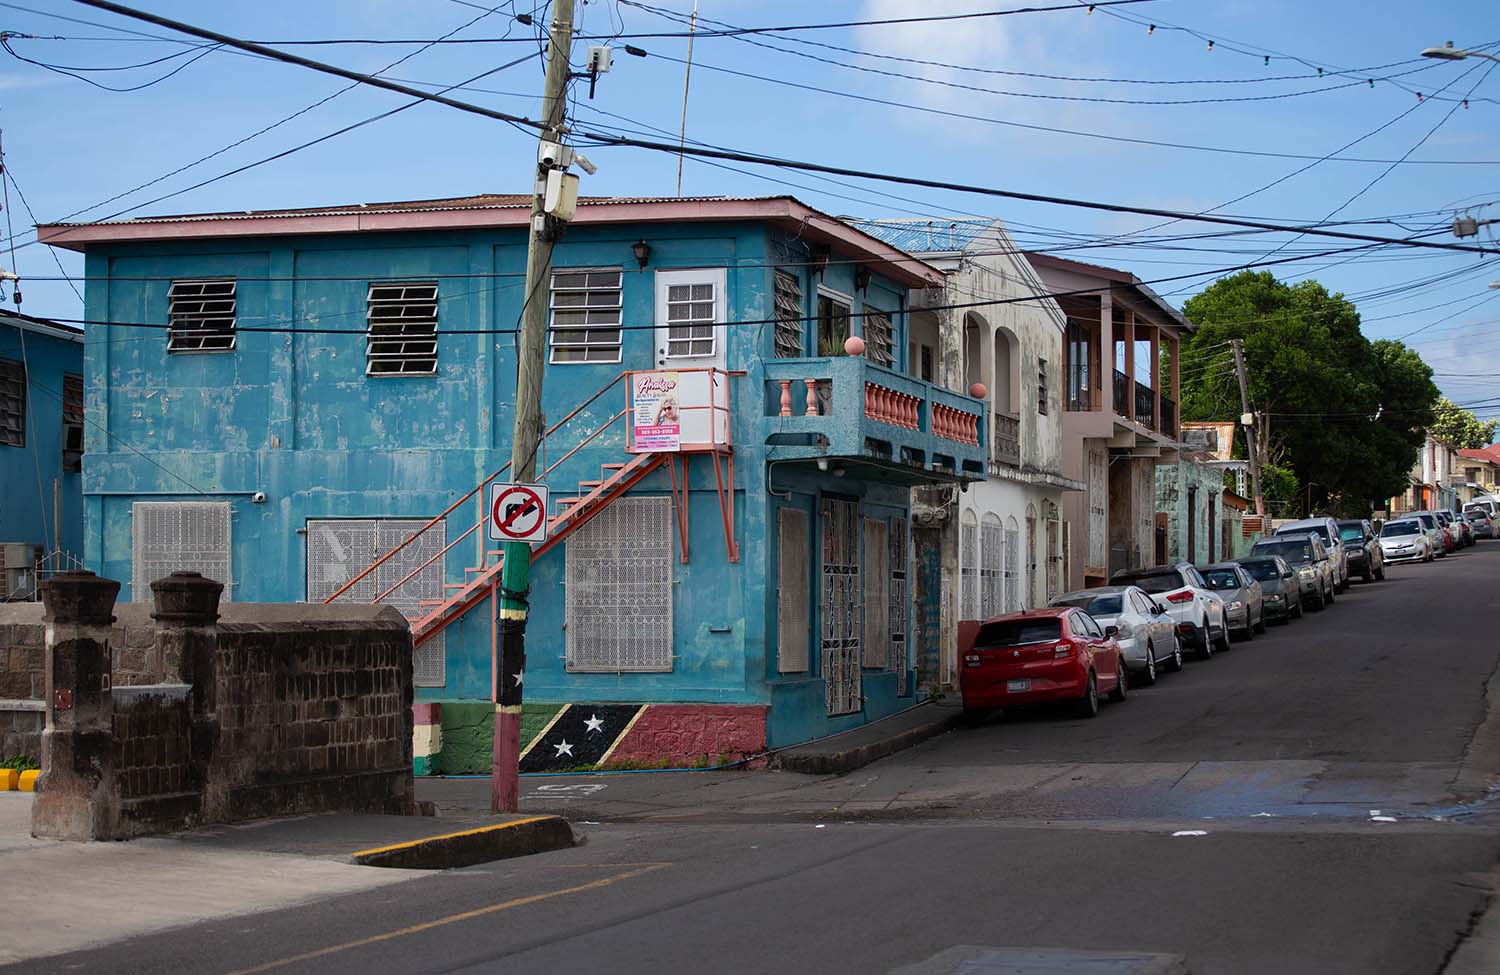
{"x":1197,"y":611}
{"x":1327,"y":529}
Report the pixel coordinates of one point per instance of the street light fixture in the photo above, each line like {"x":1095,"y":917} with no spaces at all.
{"x":1450,"y":53}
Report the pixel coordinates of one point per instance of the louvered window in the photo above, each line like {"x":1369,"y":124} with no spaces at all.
{"x":401,"y":322}
{"x":200,"y":316}
{"x":12,"y":403}
{"x":72,"y":415}
{"x":179,"y":536}
{"x":877,"y":580}
{"x":880,"y":339}
{"x":619,"y":589}
{"x":792,"y":623}
{"x":338,"y":549}
{"x":585,"y":310}
{"x":788,"y":316}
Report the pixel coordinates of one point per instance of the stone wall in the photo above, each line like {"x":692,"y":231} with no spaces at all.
{"x":276,"y":710}
{"x":21,"y":728}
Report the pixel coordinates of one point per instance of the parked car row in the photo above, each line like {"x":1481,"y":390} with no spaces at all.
{"x":1095,"y":642}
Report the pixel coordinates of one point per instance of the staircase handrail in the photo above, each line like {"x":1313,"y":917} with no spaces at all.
{"x":452,"y":507}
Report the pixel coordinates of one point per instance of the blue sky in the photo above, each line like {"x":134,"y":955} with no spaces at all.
{"x":70,"y":145}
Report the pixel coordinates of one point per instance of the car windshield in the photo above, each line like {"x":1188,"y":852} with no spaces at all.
{"x":1352,"y":534}
{"x":1475,"y":510}
{"x":1158,"y":581}
{"x":1221,"y":579}
{"x":1427,"y":521}
{"x":1014,"y":633}
{"x":1400,"y":528}
{"x":1320,"y":530}
{"x":1263,"y":570}
{"x":1295,"y":552}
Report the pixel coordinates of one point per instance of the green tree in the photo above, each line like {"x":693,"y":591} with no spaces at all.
{"x":1343,"y":416}
{"x":1460,"y":427}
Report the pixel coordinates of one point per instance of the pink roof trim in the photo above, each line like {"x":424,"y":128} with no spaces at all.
{"x":499,"y":212}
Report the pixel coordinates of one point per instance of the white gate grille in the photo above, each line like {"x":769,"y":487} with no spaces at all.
{"x":1012,"y":566}
{"x":877,"y":573}
{"x":842,"y":684}
{"x":338,"y":549}
{"x":991,"y":550}
{"x":968,"y":565}
{"x":898,"y":603}
{"x":619,"y":589}
{"x":179,"y":536}
{"x":792,"y":553}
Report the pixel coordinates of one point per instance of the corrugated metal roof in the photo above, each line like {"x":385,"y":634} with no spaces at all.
{"x":926,"y":236}
{"x":481,"y":201}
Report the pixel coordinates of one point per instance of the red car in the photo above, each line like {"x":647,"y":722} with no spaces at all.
{"x":1057,"y":654}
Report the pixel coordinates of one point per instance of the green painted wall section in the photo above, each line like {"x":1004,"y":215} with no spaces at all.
{"x":469,"y":734}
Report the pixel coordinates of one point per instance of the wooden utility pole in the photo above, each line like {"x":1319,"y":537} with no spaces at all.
{"x":1251,"y":448}
{"x":527,"y":432}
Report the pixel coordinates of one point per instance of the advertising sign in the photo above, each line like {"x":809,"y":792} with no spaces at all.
{"x":655,"y":419}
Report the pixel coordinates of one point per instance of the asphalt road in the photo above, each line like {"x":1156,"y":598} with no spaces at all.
{"x":1313,"y":801}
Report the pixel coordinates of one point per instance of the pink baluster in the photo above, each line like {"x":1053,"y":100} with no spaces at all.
{"x":869,"y":400}
{"x":882,"y":404}
{"x":971,"y":429}
{"x":940,"y":421}
{"x":812,"y":397}
{"x":786,"y":397}
{"x":913,"y":405}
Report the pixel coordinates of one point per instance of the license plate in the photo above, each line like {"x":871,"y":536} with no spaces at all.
{"x":1017,"y":686}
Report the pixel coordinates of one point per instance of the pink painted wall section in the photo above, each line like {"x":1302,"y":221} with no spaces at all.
{"x":687,"y":732}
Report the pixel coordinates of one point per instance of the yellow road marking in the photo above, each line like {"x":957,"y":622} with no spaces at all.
{"x":450,"y":836}
{"x":450,"y":919}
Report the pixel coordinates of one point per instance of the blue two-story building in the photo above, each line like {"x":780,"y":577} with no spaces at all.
{"x":284,"y":399}
{"x":41,"y":448}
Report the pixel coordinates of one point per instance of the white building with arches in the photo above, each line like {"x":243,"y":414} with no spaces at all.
{"x":1002,"y":544}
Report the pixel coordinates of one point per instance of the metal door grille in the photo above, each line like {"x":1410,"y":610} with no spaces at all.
{"x":179,"y":536}
{"x":1012,"y":566}
{"x":792,"y":556}
{"x":338,"y":549}
{"x":842,"y":683}
{"x":877,"y":573}
{"x":968,"y":567}
{"x":898,"y":604}
{"x":619,"y":589}
{"x":1031,"y":571}
{"x":991,"y":552}
{"x":1054,"y":557}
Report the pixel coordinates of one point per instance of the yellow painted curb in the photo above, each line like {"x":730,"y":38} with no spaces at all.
{"x":8,"y":779}
{"x":448,"y":836}
{"x":28,"y":780}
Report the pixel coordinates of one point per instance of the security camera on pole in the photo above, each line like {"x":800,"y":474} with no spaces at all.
{"x":553,"y":200}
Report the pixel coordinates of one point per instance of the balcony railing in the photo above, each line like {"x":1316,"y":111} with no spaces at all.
{"x":1145,"y":405}
{"x":1122,"y":393}
{"x":846,"y":406}
{"x":1168,"y":417}
{"x":1005,"y":445}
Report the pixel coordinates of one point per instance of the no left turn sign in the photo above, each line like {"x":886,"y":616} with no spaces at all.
{"x":518,"y":512}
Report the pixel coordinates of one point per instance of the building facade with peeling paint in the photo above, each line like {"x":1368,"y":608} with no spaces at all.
{"x":317,"y":404}
{"x":1001,"y":545}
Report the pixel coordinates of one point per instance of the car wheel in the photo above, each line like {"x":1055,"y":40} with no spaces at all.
{"x":1149,"y":677}
{"x":1297,"y":610}
{"x":1088,"y":705}
{"x":1319,"y":601}
{"x":1222,"y":644}
{"x":1122,"y":685}
{"x":1174,"y":663}
{"x":1380,"y":573}
{"x":1260,"y":624}
{"x":1369,"y":576}
{"x":1329,"y":596}
{"x":1205,"y":642}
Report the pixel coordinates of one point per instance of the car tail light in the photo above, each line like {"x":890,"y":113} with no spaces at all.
{"x":1180,"y":597}
{"x":971,"y":660}
{"x":1064,"y":649}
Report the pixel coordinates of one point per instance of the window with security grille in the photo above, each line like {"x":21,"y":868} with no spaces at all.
{"x":179,"y":536}
{"x":200,"y":315}
{"x":793,"y":626}
{"x":968,"y":565}
{"x":585,"y":315}
{"x":619,"y":589}
{"x":788,"y":316}
{"x":877,"y":579}
{"x":1012,"y":566}
{"x":880,"y":338}
{"x":338,"y":549}
{"x":401,"y":321}
{"x":1030,"y":556}
{"x":991,"y":551}
{"x":691,"y":310}
{"x":12,"y":403}
{"x":899,"y":661}
{"x":72,"y":416}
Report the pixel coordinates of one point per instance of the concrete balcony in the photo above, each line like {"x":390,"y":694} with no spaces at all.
{"x":848,"y":409}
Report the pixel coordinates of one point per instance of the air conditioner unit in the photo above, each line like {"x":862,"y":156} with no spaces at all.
{"x":17,"y":571}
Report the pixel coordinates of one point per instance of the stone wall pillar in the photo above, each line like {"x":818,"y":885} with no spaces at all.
{"x":187,"y":615}
{"x":77,"y":797}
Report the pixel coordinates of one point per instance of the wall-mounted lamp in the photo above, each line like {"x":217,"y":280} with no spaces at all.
{"x":819,"y":258}
{"x":862,"y":278}
{"x":642,"y":253}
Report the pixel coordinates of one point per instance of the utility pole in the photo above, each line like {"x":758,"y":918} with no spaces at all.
{"x":1247,"y":419}
{"x":527,"y":432}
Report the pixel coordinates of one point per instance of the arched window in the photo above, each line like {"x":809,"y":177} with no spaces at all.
{"x":976,"y":344}
{"x":968,"y":565}
{"x":991,"y":548}
{"x":1031,"y":570}
{"x":1013,"y":565}
{"x":1005,"y":392}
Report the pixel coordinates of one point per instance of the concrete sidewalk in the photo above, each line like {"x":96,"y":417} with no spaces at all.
{"x":60,"y":897}
{"x":869,"y":743}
